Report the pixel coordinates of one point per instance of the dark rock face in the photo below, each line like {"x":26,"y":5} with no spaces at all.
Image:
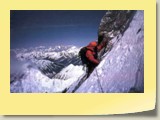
{"x":122,"y":68}
{"x":114,"y":22}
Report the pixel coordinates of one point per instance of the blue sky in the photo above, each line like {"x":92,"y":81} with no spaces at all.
{"x":51,"y":28}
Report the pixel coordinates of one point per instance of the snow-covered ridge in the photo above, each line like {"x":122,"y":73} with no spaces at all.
{"x":50,"y":69}
{"x":69,"y":72}
{"x":59,"y":69}
{"x":42,"y":52}
{"x":31,"y":80}
{"x":49,"y":60}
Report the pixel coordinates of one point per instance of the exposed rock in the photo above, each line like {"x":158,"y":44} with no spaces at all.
{"x":59,"y":69}
{"x":114,"y":22}
{"x":122,"y":68}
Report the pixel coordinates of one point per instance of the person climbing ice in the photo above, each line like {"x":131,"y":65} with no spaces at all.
{"x":89,"y":54}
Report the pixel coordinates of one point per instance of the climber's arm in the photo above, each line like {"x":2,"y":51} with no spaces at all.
{"x":102,"y":45}
{"x":91,"y":58}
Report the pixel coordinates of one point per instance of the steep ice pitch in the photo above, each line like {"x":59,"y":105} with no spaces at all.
{"x":122,"y":69}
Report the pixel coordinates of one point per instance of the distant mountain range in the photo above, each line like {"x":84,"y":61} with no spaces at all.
{"x":59,"y":69}
{"x":59,"y":65}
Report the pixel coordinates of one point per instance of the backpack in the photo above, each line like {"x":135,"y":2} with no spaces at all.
{"x":82,"y":55}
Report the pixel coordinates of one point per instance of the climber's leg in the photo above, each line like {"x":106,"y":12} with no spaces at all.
{"x":90,"y":69}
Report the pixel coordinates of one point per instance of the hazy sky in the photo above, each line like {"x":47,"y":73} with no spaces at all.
{"x":51,"y":28}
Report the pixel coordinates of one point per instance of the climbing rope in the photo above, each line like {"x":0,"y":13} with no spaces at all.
{"x":99,"y":81}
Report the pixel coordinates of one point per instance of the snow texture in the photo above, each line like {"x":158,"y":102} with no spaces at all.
{"x":59,"y":69}
{"x":49,"y":61}
{"x":41,"y":73}
{"x":122,"y":69}
{"x":33,"y":81}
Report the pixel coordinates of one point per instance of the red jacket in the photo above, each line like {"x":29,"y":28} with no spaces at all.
{"x":90,"y":54}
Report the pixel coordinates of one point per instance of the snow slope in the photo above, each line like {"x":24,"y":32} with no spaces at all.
{"x":58,"y":69}
{"x":122,"y":68}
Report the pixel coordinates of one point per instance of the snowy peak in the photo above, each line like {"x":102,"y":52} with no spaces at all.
{"x":43,"y":52}
{"x":31,"y":80}
{"x":44,"y":69}
{"x":59,"y":69}
{"x":50,"y":60}
{"x":70,"y":71}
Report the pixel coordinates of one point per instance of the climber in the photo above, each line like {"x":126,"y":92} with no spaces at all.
{"x":89,"y":54}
